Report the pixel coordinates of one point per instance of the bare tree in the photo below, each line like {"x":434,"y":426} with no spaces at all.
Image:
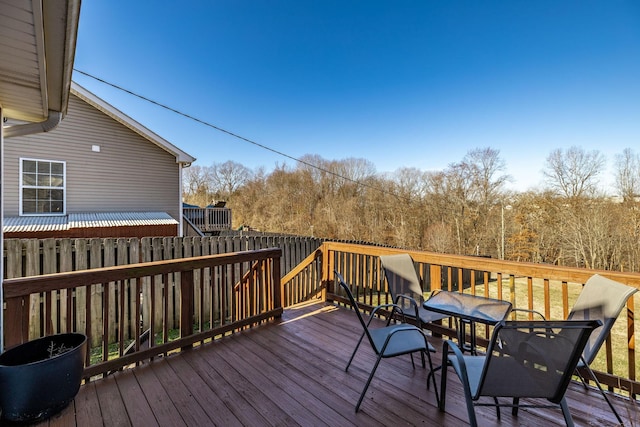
{"x":227,"y":177}
{"x":197,"y":185}
{"x":573,"y":174}
{"x":627,"y":173}
{"x":438,"y":238}
{"x":483,"y":167}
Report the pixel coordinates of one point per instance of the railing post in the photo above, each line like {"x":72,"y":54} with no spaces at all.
{"x":327,"y":264}
{"x":435,"y":277}
{"x":631,"y":340}
{"x":278,"y":294}
{"x":207,"y":220}
{"x":512,"y":290}
{"x":16,"y":322}
{"x":186,"y":304}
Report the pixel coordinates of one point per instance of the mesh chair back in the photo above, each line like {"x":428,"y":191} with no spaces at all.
{"x":533,"y":358}
{"x":402,"y":278}
{"x":602,"y":299}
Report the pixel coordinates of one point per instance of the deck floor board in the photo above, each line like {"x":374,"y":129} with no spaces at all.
{"x":291,"y":373}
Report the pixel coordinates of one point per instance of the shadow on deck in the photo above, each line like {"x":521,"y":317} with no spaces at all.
{"x":292,"y":373}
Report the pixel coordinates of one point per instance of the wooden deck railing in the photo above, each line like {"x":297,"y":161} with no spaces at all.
{"x":209,"y":219}
{"x":548,"y":289}
{"x":218,"y":294}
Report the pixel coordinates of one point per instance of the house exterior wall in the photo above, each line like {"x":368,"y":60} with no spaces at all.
{"x":129,"y":173}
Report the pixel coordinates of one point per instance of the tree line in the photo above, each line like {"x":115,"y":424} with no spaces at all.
{"x":463,"y":209}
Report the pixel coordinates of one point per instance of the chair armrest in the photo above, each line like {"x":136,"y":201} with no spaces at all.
{"x":411,"y":301}
{"x":392,"y":308}
{"x":526,"y":310}
{"x":451,"y":348}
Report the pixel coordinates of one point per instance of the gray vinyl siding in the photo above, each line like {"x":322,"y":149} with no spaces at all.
{"x":129,"y":173}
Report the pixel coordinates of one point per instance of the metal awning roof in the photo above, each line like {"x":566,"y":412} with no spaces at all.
{"x":23,"y":224}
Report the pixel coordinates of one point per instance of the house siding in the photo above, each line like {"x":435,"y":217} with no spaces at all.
{"x":130,"y":173}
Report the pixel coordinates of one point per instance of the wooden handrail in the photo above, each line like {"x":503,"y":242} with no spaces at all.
{"x":204,"y":288}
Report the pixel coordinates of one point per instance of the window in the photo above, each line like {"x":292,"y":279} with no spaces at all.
{"x":42,"y":187}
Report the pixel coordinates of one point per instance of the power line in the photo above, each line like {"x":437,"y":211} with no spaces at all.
{"x":235,"y":135}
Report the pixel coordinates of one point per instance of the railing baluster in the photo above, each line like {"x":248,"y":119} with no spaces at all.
{"x":165,"y":308}
{"x":565,"y":300}
{"x":631,"y":343}
{"x":530,"y":295}
{"x":87,"y":322}
{"x":106,"y":296}
{"x":547,"y":299}
{"x":138,"y":324}
{"x":152,"y":311}
{"x":121,"y":329}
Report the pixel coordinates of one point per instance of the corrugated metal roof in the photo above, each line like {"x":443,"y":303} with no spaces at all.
{"x":119,"y":219}
{"x":85,"y":220}
{"x":22,"y":224}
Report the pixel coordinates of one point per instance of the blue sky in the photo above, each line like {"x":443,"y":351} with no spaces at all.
{"x":399,"y":83}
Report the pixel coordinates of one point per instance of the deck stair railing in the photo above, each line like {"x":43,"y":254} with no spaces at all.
{"x":209,"y":219}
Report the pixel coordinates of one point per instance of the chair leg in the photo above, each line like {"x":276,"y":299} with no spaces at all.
{"x":419,"y":324}
{"x":433,"y":377}
{"x":565,"y":411}
{"x":471,"y":410}
{"x":354,"y":352}
{"x":582,"y":380}
{"x":443,"y":384}
{"x":366,"y":386}
{"x":595,"y":379}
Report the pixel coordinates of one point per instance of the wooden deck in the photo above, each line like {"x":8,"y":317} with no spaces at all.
{"x":292,"y":373}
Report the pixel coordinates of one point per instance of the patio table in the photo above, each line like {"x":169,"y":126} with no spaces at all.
{"x":468,"y":309}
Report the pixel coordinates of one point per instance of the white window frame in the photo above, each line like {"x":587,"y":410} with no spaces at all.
{"x":63,"y":188}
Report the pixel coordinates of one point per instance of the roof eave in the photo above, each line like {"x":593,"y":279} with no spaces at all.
{"x":38,"y":79}
{"x":61,"y":30}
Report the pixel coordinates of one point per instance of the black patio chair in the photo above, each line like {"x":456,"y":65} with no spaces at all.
{"x":388,"y":341}
{"x":525,"y":359}
{"x":602,"y":299}
{"x":405,"y":288}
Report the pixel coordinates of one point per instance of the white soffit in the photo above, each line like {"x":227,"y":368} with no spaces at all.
{"x":37,"y":46}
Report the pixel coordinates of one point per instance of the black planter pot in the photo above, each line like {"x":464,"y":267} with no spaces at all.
{"x":34,"y":384}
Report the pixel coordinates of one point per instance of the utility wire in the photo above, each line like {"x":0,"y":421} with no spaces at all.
{"x":219,"y":129}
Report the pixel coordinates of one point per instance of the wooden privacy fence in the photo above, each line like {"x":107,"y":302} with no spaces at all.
{"x":35,"y":257}
{"x":217,"y":294}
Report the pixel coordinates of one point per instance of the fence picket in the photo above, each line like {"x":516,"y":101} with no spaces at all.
{"x":95,"y":261}
{"x":109,"y":260}
{"x":32,"y":263}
